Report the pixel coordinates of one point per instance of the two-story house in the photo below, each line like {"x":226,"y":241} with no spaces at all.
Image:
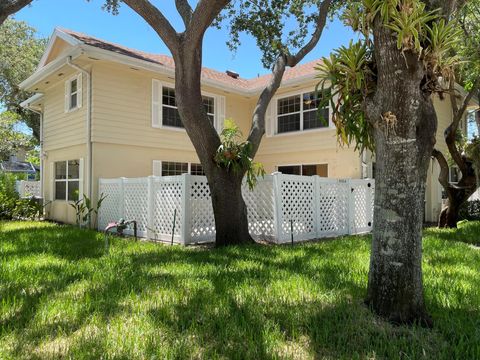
{"x":109,"y":111}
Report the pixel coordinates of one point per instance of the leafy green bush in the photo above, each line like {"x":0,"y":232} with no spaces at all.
{"x":8,"y":196}
{"x":470,"y":210}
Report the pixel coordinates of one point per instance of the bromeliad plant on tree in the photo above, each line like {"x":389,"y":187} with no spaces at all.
{"x":235,"y":155}
{"x":382,"y":99}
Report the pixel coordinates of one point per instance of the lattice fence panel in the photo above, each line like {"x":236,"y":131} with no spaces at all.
{"x":29,"y":188}
{"x":167,"y":198}
{"x":332,"y":207}
{"x":136,"y":202}
{"x":202,"y":221}
{"x":111,"y":206}
{"x":261,"y":209}
{"x":297,"y":208}
{"x":362,"y":193}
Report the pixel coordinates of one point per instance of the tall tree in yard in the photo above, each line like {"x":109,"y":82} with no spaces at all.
{"x":463,"y":153}
{"x":263,"y":19}
{"x":9,"y":7}
{"x":384,"y":85}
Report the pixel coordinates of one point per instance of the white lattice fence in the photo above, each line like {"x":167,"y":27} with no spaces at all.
{"x":280,"y":206}
{"x":29,"y":188}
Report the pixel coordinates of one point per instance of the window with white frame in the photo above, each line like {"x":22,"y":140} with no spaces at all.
{"x":304,"y":170}
{"x":454,"y":174}
{"x":73,"y":93}
{"x":169,"y":110}
{"x":301,"y":112}
{"x":171,"y":168}
{"x":67,"y":180}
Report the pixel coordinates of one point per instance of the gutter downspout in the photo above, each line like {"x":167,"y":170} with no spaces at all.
{"x":89,"y":124}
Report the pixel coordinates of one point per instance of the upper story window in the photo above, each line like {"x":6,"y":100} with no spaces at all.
{"x":73,"y":93}
{"x":300,"y":112}
{"x":67,"y":180}
{"x":165,"y":111}
{"x":305,"y":170}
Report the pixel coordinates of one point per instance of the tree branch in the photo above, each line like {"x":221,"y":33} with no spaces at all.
{"x":8,"y":8}
{"x":202,"y":17}
{"x":450,"y":133}
{"x":444,"y":168}
{"x":323,"y":8}
{"x":185,"y":11}
{"x":154,"y":17}
{"x":258,"y":122}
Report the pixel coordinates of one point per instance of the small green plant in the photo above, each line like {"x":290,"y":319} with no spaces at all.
{"x":84,"y":210}
{"x":235,"y":155}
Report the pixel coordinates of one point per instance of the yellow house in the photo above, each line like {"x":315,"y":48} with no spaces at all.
{"x":109,"y":111}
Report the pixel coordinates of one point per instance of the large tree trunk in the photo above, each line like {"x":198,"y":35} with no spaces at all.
{"x":405,"y":127}
{"x":225,"y":186}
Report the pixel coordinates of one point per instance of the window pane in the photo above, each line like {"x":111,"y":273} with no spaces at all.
{"x":288,"y":123}
{"x":73,"y":86}
{"x":212,"y":118}
{"x":174,"y":168}
{"x":316,"y":169}
{"x":196,"y":169}
{"x":73,"y":101}
{"x":289,"y":105}
{"x":61,"y":170}
{"x":171,"y":117}
{"x":168,"y":97}
{"x":73,"y":190}
{"x":209,"y":103}
{"x":291,"y":170}
{"x":73,"y":169}
{"x":60,"y":190}
{"x":315,"y":119}
{"x":310,"y":102}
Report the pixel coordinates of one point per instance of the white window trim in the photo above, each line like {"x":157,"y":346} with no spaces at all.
{"x":217,"y":99}
{"x":68,"y":93}
{"x":304,"y":164}
{"x":67,"y":180}
{"x":274,"y":102}
{"x":159,"y":163}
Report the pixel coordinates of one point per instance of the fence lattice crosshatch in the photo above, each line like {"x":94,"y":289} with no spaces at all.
{"x":311,"y":206}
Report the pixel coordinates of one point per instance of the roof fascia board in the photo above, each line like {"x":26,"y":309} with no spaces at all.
{"x":48,"y":69}
{"x":31,"y":99}
{"x":55,"y":35}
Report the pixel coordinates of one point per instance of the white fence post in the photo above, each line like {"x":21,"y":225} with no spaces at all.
{"x":316,"y":206}
{"x":121,"y":209}
{"x":277,"y":205}
{"x":185,"y":232}
{"x":351,"y":208}
{"x":150,"y":207}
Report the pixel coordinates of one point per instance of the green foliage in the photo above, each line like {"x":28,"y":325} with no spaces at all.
{"x":8,"y":196}
{"x":470,"y":210}
{"x":85,"y":209}
{"x":12,"y":138}
{"x":235,"y":155}
{"x":351,"y":71}
{"x":63,"y":297}
{"x":20,"y":53}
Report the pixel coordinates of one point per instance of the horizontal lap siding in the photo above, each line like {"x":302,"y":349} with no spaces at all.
{"x":62,"y":129}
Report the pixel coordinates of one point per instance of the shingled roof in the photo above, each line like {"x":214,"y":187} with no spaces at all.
{"x":299,"y":71}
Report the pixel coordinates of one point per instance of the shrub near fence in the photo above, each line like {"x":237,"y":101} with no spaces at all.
{"x":308,"y":207}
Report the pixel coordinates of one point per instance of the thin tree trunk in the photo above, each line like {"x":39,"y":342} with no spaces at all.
{"x":405,"y":126}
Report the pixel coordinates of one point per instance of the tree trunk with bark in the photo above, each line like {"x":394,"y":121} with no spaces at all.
{"x":405,"y":124}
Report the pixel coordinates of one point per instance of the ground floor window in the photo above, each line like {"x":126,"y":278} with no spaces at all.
{"x":171,"y":168}
{"x":305,"y":170}
{"x":67,"y":180}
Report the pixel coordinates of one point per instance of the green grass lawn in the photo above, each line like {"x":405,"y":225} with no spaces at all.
{"x":61,"y":296}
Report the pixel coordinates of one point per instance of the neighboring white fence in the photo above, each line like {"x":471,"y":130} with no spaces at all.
{"x":28,"y":188}
{"x":308,"y":206}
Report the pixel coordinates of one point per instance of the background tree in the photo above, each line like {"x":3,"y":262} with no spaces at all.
{"x":385,"y":84}
{"x":20,"y":52}
{"x":12,"y":138}
{"x":9,"y":7}
{"x":461,"y":153}
{"x":263,"y":19}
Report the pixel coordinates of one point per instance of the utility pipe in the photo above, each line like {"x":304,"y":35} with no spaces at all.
{"x":89,"y":124}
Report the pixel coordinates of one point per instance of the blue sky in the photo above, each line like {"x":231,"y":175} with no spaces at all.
{"x":130,"y":30}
